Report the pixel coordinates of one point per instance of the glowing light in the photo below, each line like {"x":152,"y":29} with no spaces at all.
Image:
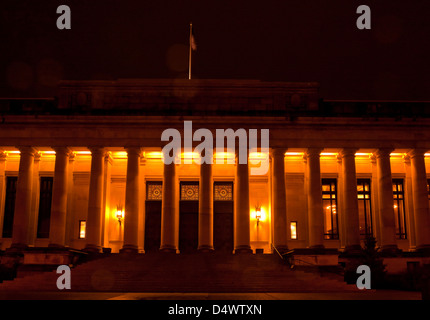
{"x":120,"y":154}
{"x":154,"y":155}
{"x":293,"y":229}
{"x":190,"y":155}
{"x":119,"y":213}
{"x":294,"y":153}
{"x":328,"y":154}
{"x":262,"y":214}
{"x":82,"y":229}
{"x":258,"y":155}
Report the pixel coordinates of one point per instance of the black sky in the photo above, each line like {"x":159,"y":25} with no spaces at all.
{"x":273,"y":40}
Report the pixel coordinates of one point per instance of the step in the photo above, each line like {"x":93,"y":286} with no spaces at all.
{"x":184,"y":273}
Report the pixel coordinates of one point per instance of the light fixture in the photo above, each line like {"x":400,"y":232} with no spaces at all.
{"x":119,"y":214}
{"x":258,"y":214}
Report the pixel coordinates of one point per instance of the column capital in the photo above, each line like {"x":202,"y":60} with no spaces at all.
{"x":62,"y":150}
{"x":135,"y":150}
{"x":417,"y":153}
{"x":3,"y":155}
{"x":97,"y":150}
{"x":313,"y":152}
{"x":37,"y":156}
{"x":347,"y":152}
{"x":383,"y":152}
{"x":278,"y":152}
{"x":27,"y":150}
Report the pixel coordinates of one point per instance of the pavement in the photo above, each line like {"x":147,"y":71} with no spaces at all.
{"x":362,"y":295}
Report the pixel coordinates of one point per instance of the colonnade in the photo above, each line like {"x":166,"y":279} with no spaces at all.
{"x":385,"y":212}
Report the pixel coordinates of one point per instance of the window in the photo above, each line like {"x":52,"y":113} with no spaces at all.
{"x":82,"y":229}
{"x":223,"y":191}
{"x":9,"y":206}
{"x":154,"y":191}
{"x":45,"y":198}
{"x":364,"y":207}
{"x":293,"y":229}
{"x":428,"y":188}
{"x":189,"y":191}
{"x":399,"y":208}
{"x":329,"y":196}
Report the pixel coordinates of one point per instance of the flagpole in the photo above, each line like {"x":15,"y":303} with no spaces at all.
{"x":189,"y":58}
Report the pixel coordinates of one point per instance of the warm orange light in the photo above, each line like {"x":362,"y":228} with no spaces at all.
{"x":294,"y":153}
{"x":120,"y":154}
{"x":293,"y":228}
{"x":82,"y":229}
{"x":154,"y":155}
{"x":120,"y":214}
{"x":258,"y":155}
{"x":328,"y":154}
{"x":259,"y":214}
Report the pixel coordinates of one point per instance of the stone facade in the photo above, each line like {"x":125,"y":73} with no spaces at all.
{"x":101,"y":145}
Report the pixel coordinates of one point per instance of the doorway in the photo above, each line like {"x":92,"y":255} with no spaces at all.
{"x":153,"y":206}
{"x":188,"y":217}
{"x":223,"y":217}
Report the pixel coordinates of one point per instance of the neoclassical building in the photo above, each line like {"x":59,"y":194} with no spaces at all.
{"x":86,"y":171}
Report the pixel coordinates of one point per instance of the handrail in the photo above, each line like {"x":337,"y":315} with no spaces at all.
{"x":280,"y":255}
{"x":291,"y":263}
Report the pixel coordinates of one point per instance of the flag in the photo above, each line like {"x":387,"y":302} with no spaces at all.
{"x":193,"y":44}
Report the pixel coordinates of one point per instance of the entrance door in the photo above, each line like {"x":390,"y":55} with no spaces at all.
{"x":153,"y":216}
{"x":189,"y":217}
{"x":223,"y":216}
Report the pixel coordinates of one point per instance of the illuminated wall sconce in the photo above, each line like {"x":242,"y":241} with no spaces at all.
{"x":258,"y":214}
{"x":119,"y":214}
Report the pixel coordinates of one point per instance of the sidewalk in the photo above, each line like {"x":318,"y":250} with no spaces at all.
{"x":369,"y":295}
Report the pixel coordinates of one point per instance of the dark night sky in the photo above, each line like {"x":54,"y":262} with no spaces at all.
{"x":300,"y":40}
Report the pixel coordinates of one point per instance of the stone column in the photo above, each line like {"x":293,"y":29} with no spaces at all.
{"x":93,"y":229}
{"x":131,"y":215}
{"x":386,"y":205}
{"x":70,"y":232}
{"x":420,"y":198}
{"x":21,"y":218}
{"x":350,"y":203}
{"x":241,"y":208}
{"x":168,"y":210}
{"x":3,"y":157}
{"x":315,"y":208}
{"x":57,"y":230}
{"x":279,"y":202}
{"x":206,"y":208}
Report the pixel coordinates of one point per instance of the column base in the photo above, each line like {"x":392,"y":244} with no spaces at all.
{"x":168,"y":249}
{"x":390,"y":249}
{"x":91,"y":248}
{"x":56,"y":246}
{"x":205,"y":248}
{"x":129,"y":249}
{"x":281,"y":248}
{"x":317,"y":246}
{"x":17,"y":247}
{"x":352,"y":249}
{"x":424,"y":249}
{"x":242,"y":249}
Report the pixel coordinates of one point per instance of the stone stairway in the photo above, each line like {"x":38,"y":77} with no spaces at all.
{"x":210,"y":272}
